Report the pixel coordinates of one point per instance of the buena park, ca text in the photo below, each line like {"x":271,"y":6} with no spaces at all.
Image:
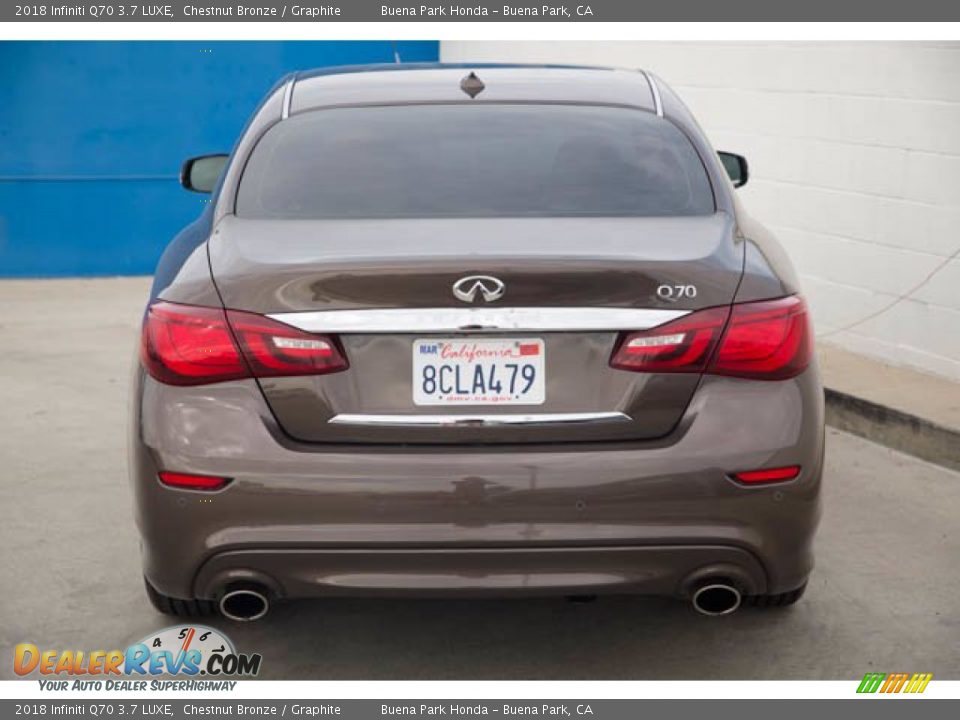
{"x":508,"y":11}
{"x":484,"y":709}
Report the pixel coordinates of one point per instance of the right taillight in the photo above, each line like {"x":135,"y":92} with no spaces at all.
{"x":189,"y":345}
{"x":767,"y":340}
{"x":684,"y":345}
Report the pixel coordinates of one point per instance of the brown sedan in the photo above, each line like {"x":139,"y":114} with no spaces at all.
{"x":487,"y":329}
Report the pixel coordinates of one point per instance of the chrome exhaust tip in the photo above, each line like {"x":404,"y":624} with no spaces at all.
{"x":244,"y":604}
{"x":716,"y":598}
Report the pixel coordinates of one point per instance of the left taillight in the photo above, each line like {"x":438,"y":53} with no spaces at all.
{"x":273,"y":349}
{"x":189,"y":345}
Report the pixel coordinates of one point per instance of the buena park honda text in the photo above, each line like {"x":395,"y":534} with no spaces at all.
{"x":453,"y":329}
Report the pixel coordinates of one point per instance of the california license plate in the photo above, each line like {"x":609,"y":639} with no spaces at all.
{"x":479,"y":372}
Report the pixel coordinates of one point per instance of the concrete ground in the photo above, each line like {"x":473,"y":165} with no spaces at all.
{"x":932,"y":398}
{"x":885,"y":595}
{"x":911,"y":411}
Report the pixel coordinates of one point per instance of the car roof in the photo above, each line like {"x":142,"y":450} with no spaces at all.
{"x":411,"y":83}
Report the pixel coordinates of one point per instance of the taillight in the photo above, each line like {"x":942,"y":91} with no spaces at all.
{"x":684,"y":345}
{"x":768,"y":340}
{"x":193,"y":482}
{"x":273,"y":349}
{"x":767,"y":475}
{"x":188,"y":345}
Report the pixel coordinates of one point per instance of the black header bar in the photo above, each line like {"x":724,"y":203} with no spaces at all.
{"x":483,"y":11}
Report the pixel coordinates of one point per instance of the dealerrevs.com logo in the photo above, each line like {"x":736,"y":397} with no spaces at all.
{"x":182,"y":650}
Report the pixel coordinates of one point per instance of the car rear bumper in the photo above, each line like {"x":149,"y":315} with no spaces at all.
{"x":662,"y":570}
{"x":646,"y":517}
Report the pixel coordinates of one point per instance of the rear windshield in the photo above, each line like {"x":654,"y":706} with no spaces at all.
{"x":473,"y":161}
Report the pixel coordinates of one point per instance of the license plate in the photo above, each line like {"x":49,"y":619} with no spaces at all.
{"x":479,"y":372}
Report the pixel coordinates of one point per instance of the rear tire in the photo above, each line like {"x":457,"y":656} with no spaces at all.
{"x":177,"y":606}
{"x":784,"y":599}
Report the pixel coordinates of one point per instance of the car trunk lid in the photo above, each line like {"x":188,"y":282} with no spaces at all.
{"x":385,"y":289}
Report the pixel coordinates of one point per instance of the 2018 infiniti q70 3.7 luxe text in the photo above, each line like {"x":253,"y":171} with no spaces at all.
{"x":474,"y":330}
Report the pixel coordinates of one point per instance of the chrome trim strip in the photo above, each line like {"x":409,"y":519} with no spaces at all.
{"x":287,"y":98}
{"x":655,"y":91}
{"x":482,"y":319}
{"x":481,"y":420}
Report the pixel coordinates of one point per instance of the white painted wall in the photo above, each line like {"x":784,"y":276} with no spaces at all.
{"x":854,"y":150}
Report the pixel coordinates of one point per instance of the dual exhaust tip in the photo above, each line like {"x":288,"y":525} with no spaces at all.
{"x":252,"y":602}
{"x":716,"y":598}
{"x":245,"y":603}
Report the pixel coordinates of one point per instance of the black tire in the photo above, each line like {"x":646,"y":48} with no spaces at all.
{"x":177,"y":606}
{"x":779,"y":600}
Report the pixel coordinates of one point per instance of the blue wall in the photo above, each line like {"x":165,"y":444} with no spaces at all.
{"x":92,"y":135}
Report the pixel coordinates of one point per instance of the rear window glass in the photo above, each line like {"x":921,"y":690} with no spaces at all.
{"x":473,"y":161}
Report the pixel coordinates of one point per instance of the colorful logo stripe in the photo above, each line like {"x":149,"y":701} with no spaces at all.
{"x":894,"y":682}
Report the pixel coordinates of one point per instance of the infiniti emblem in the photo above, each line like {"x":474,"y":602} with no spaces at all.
{"x":466,"y":288}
